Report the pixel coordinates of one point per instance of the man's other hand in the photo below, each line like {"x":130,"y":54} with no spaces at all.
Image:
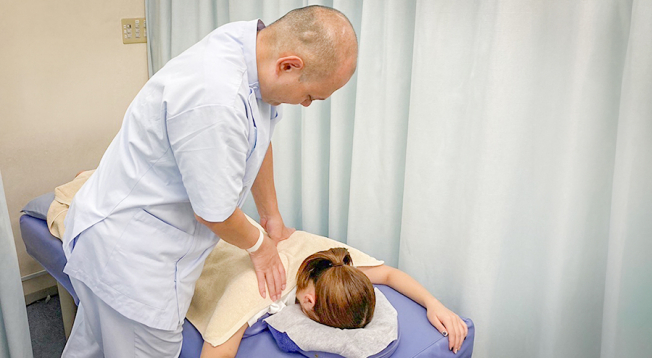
{"x":275,"y":228}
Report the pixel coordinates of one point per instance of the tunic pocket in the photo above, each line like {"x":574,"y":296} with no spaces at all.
{"x":253,"y":127}
{"x":143,"y":264}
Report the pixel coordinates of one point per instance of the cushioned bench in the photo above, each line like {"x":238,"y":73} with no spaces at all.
{"x":418,"y":338}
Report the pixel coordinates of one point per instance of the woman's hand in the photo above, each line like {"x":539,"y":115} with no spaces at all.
{"x":275,"y":228}
{"x":449,"y":324}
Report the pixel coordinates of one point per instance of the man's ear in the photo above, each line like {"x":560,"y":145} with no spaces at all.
{"x":288,"y":64}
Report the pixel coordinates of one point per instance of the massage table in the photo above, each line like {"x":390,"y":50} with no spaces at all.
{"x":417,"y":337}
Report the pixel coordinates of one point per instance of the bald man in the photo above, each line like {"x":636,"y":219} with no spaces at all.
{"x":193,"y":143}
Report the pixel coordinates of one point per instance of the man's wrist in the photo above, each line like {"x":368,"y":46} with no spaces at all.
{"x":269,"y":212}
{"x":258,"y":243}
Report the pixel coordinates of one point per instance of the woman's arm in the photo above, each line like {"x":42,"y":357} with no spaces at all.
{"x":227,"y":349}
{"x":447,"y":322}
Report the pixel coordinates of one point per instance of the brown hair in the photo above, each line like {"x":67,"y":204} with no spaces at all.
{"x":344,"y":295}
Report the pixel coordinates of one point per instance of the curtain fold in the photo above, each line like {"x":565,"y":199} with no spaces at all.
{"x":14,"y":330}
{"x":517,"y":121}
{"x":341,"y":138}
{"x":380,"y":128}
{"x":626,"y":327}
{"x":497,"y":151}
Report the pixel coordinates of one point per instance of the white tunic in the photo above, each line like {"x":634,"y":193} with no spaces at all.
{"x":192,"y":141}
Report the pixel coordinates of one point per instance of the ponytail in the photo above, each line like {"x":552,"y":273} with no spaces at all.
{"x":315,"y":265}
{"x":344,"y":296}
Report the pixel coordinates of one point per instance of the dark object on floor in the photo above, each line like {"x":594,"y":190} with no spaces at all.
{"x":46,"y":328}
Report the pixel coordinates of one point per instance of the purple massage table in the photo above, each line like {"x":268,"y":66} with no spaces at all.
{"x":417,"y":337}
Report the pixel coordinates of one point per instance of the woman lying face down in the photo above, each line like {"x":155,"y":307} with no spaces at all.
{"x":333,"y":292}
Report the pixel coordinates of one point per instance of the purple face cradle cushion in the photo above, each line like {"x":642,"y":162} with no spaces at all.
{"x":39,"y":207}
{"x":286,"y":344}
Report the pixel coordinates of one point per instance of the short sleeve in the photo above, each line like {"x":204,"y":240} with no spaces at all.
{"x":210,"y":146}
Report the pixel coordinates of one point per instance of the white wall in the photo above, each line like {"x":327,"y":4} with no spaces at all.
{"x":66,"y":80}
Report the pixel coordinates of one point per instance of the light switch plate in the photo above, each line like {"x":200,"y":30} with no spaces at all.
{"x":134,"y":30}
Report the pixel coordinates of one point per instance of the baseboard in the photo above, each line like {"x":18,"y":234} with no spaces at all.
{"x":40,"y":294}
{"x":38,"y":286}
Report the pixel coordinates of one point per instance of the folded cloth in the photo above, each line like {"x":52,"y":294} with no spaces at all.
{"x":226,"y":294}
{"x":62,"y":198}
{"x":309,"y":335}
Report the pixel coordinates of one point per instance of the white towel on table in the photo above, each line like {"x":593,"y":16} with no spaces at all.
{"x":350,"y":343}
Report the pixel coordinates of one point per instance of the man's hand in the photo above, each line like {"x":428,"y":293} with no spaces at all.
{"x":275,"y":228}
{"x":238,"y":231}
{"x":269,"y":269}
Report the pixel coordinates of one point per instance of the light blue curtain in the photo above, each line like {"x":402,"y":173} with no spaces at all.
{"x":498,"y":151}
{"x":14,"y":331}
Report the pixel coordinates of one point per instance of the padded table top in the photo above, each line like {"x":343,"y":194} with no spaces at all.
{"x":418,"y":338}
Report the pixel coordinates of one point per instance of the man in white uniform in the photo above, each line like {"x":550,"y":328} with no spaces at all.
{"x":193,"y":142}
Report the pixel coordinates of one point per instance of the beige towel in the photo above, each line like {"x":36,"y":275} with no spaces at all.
{"x":62,"y":198}
{"x":226,"y":294}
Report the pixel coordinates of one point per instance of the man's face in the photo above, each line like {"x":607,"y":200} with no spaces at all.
{"x":289,"y":88}
{"x":293,"y":91}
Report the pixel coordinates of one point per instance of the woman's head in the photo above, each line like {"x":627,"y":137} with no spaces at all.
{"x":333,"y":292}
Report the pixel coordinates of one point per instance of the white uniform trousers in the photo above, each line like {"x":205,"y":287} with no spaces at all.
{"x":100,"y":331}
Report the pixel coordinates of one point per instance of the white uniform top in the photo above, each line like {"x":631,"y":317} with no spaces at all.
{"x":192,"y":141}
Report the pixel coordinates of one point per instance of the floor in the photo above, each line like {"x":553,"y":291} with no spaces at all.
{"x":46,"y":327}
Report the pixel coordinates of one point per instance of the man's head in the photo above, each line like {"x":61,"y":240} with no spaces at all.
{"x":306,"y":55}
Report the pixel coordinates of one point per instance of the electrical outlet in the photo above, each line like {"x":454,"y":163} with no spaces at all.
{"x":134,"y":30}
